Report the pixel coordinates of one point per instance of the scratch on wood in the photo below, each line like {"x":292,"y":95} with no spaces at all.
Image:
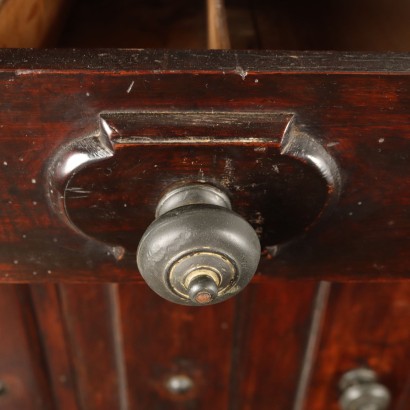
{"x":130,"y":87}
{"x":78,"y":190}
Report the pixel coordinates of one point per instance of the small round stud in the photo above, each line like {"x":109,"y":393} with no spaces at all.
{"x":179,"y":384}
{"x":202,"y":289}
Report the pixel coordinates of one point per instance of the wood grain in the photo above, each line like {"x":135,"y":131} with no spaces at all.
{"x":356,"y":105}
{"x":273,"y":323}
{"x":246,"y":353}
{"x":366,"y":325}
{"x":282,"y":193}
{"x":91,"y":337}
{"x":163,"y":340}
{"x":53,"y":334}
{"x":22,"y":372}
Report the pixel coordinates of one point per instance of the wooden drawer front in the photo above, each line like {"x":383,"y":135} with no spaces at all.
{"x":355,"y":105}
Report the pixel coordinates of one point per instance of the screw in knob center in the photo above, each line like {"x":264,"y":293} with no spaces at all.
{"x":202,"y":289}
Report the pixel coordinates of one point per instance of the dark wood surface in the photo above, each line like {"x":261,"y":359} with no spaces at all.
{"x":53,"y":334}
{"x":110,"y":346}
{"x":272,"y":329}
{"x":356,"y":106}
{"x":282,"y":344}
{"x":92,"y":332}
{"x":366,"y":325}
{"x":98,"y":353}
{"x":118,"y":61}
{"x":23,"y":375}
{"x":196,"y":343}
{"x":282,"y":193}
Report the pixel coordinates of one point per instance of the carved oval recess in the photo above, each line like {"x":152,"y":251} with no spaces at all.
{"x":107,"y":185}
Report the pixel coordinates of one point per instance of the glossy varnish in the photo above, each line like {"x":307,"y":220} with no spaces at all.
{"x":355,"y":105}
{"x":282,"y":344}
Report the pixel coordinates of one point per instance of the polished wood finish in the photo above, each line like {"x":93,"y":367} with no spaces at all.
{"x":365,"y":131}
{"x":250,"y":351}
{"x":273,"y":324}
{"x":282,"y":194}
{"x":53,"y":334}
{"x":365,"y":325}
{"x":173,"y":341}
{"x":92,"y":333}
{"x":281,"y":344}
{"x":23,"y":376}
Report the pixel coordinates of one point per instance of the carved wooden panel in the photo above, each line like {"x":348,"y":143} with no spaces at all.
{"x":365,"y":325}
{"x":61,"y":95}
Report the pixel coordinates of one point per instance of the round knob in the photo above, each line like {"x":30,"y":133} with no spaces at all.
{"x":360,"y":391}
{"x":197,"y":251}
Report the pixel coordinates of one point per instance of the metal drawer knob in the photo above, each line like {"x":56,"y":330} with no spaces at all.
{"x":197,"y":251}
{"x":361,"y":391}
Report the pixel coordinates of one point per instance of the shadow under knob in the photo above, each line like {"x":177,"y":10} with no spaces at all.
{"x":198,"y":251}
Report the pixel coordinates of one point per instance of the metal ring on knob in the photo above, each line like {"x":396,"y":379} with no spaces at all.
{"x":198,"y":251}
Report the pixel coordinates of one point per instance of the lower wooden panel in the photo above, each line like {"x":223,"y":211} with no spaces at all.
{"x":23,"y":376}
{"x":128,"y":344}
{"x":272,"y":331}
{"x":163,"y":341}
{"x":92,"y":338}
{"x":53,"y":334}
{"x":366,"y":325}
{"x":83,"y":347}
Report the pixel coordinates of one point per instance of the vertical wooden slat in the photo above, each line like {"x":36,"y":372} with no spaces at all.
{"x":272,"y":330}
{"x":91,"y":334}
{"x":218,"y":33}
{"x":21,"y":357}
{"x":163,"y":340}
{"x":50,"y":321}
{"x":312,"y":344}
{"x":367,"y":324}
{"x":117,"y":325}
